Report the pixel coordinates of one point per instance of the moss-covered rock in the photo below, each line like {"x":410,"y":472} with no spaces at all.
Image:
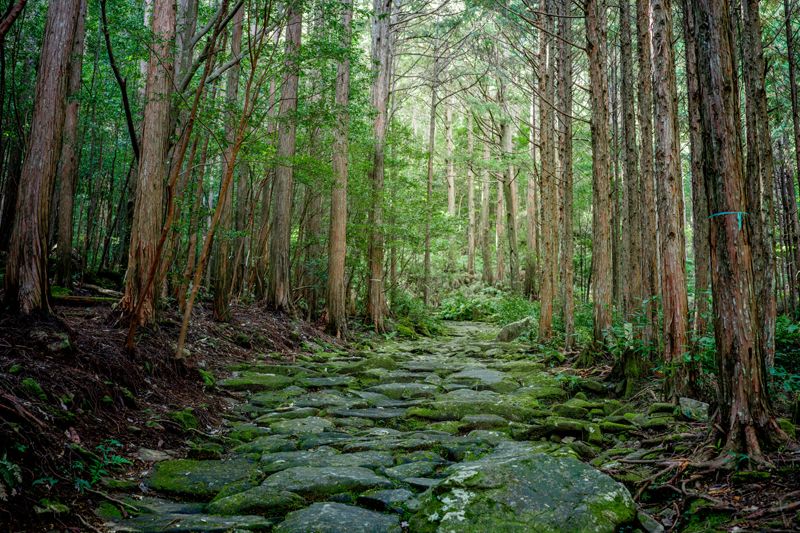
{"x":331,"y":517}
{"x":258,"y":500}
{"x":255,"y":381}
{"x":516,"y":490}
{"x":198,"y":479}
{"x":320,"y":482}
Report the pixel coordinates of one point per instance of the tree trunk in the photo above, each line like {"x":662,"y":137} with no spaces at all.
{"x":426,"y":275}
{"x":532,"y":213}
{"x":601,"y":182}
{"x":68,"y":161}
{"x":26,"y":282}
{"x":759,"y":176}
{"x":278,"y":295}
{"x":470,"y":201}
{"x":485,"y":230}
{"x":148,"y":212}
{"x":222,"y":272}
{"x":566,"y":177}
{"x":633,"y":250}
{"x":549,"y":180}
{"x":790,"y":59}
{"x":699,"y":202}
{"x":500,"y":233}
{"x":337,"y":240}
{"x":450,"y":173}
{"x":382,"y":57}
{"x":746,"y":416}
{"x":649,"y":226}
{"x":508,"y":193}
{"x":674,"y":299}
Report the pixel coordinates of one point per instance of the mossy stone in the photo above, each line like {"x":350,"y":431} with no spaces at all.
{"x":198,"y":479}
{"x":258,"y":500}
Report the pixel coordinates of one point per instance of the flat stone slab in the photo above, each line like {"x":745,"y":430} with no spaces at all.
{"x":376,"y":413}
{"x":405,"y":391}
{"x":334,"y":381}
{"x":259,"y":500}
{"x":330,"y":517}
{"x":198,"y":479}
{"x":516,"y":490}
{"x":175,"y":523}
{"x":302,"y":426}
{"x":321,"y":482}
{"x":255,"y":381}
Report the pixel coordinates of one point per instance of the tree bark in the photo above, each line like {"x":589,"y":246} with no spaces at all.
{"x":426,"y":275}
{"x":649,"y":227}
{"x":601,"y":182}
{"x":278,"y":295}
{"x":148,"y":211}
{"x":632,"y":233}
{"x":68,"y":161}
{"x":674,"y":299}
{"x":759,"y":175}
{"x":745,"y":412}
{"x":470,"y":201}
{"x":699,"y":201}
{"x":549,"y":180}
{"x":790,"y":58}
{"x":337,"y":241}
{"x":450,"y":172}
{"x":532,"y":213}
{"x":382,"y":57}
{"x":566,"y":174}
{"x":26,"y":282}
{"x":508,"y":192}
{"x":485,"y":230}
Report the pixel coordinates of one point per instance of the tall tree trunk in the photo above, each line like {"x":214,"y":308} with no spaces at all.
{"x":746,"y":415}
{"x":650,"y":281}
{"x":699,"y":201}
{"x":278,"y":295}
{"x":566,"y":177}
{"x":792,"y":232}
{"x":450,"y":172}
{"x":68,"y":161}
{"x":222,"y":271}
{"x":532,"y":212}
{"x":382,"y":57}
{"x":148,"y":212}
{"x":26,"y":282}
{"x":790,"y":58}
{"x":633,"y":250}
{"x":509,"y":193}
{"x":759,"y":175}
{"x":500,"y":233}
{"x":336,"y":301}
{"x":426,"y":274}
{"x":674,"y":299}
{"x":601,"y":182}
{"x":485,"y":231}
{"x":470,"y":201}
{"x":549,"y":180}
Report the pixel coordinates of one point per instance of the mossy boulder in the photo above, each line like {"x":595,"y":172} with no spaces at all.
{"x":330,"y":517}
{"x":514,"y":489}
{"x":198,"y":479}
{"x":320,"y":482}
{"x":255,"y":381}
{"x":258,"y":500}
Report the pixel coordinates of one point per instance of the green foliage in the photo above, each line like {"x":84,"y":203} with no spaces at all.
{"x":208,"y":378}
{"x":413,"y":317}
{"x":32,"y":388}
{"x":488,"y":304}
{"x":88,"y":475}
{"x":10,"y":477}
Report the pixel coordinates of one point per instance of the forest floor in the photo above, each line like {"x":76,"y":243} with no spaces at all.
{"x":455,"y":432}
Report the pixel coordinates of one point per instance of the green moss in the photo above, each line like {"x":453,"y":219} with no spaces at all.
{"x":108,"y":511}
{"x":257,"y":500}
{"x":198,"y":479}
{"x":787,"y":427}
{"x":32,"y":388}
{"x":185,"y":418}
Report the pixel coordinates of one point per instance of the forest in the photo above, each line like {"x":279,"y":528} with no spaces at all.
{"x":399,"y":265}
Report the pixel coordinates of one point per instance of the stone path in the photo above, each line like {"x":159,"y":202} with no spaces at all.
{"x":457,"y":433}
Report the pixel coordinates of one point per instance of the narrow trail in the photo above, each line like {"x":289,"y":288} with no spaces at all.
{"x":455,"y":433}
